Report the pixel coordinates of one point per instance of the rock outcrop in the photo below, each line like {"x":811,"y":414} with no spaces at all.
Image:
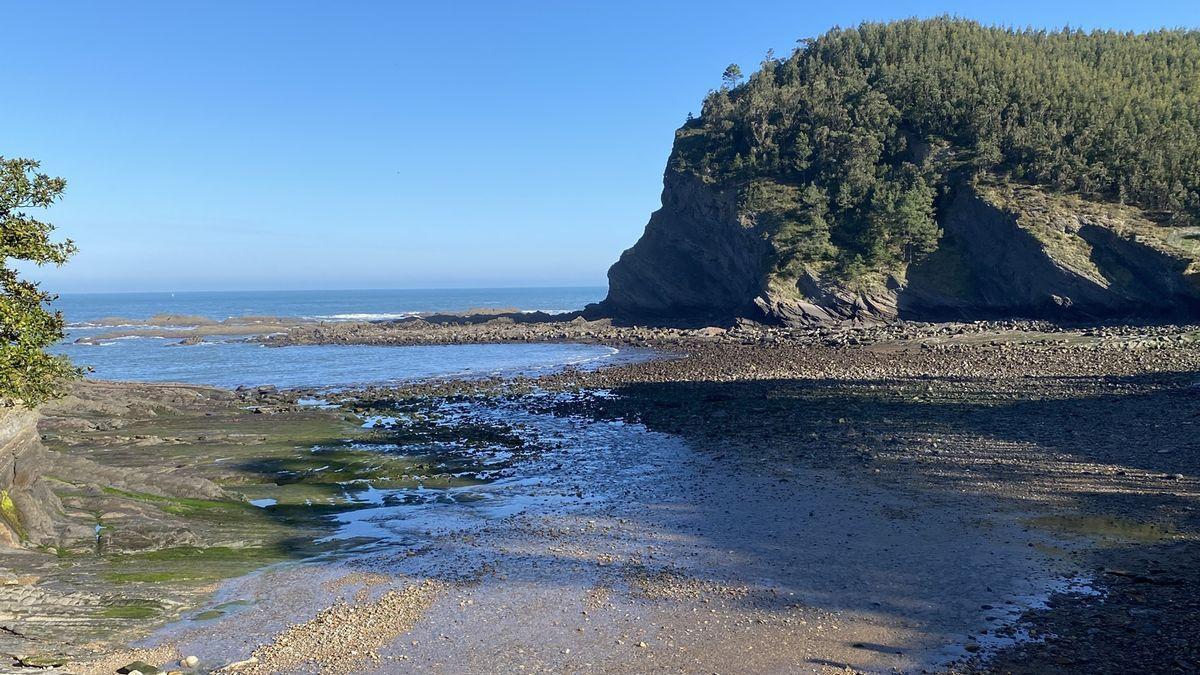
{"x":1005,"y":251}
{"x":696,"y":259}
{"x":30,"y":513}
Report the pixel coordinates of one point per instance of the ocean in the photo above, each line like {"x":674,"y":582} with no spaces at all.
{"x":233,"y":362}
{"x":81,"y":308}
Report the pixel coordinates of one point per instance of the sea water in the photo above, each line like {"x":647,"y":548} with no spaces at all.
{"x":233,"y":361}
{"x":82,"y":308}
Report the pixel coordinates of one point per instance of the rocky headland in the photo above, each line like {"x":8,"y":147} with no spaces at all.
{"x":1005,"y":251}
{"x":823,"y":188}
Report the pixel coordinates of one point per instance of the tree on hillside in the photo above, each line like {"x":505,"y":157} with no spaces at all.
{"x":28,"y":375}
{"x":732,"y":75}
{"x":884,"y":118}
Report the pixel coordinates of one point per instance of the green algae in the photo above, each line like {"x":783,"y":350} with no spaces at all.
{"x":208,"y":615}
{"x":8,"y":511}
{"x":221,"y":610}
{"x":310,"y":464}
{"x":193,"y":564}
{"x":183,"y":506}
{"x":48,"y":660}
{"x":131,"y":612}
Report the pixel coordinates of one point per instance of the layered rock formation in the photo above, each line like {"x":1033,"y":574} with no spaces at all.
{"x":1005,"y":251}
{"x":696,"y":257}
{"x":30,"y":513}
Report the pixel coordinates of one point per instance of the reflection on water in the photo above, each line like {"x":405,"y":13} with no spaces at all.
{"x":468,"y":484}
{"x":233,"y":363}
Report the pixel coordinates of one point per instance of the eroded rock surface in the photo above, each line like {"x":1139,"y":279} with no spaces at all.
{"x":1006,"y":250}
{"x":30,"y":514}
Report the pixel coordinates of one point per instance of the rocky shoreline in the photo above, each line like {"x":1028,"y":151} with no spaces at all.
{"x":1078,"y":441}
{"x":1079,"y":395}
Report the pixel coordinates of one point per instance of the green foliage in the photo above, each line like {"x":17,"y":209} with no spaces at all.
{"x":880,"y":117}
{"x":900,"y":222}
{"x":732,"y":75}
{"x":794,"y":221}
{"x":28,"y":374}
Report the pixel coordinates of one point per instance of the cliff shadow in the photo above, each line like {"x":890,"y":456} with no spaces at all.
{"x":1103,"y":473}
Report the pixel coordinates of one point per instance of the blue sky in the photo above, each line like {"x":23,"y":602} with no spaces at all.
{"x":274,"y":145}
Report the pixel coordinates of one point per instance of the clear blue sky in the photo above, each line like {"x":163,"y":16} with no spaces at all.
{"x":264,"y":145}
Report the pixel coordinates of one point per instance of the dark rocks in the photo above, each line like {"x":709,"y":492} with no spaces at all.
{"x":696,"y":258}
{"x":1006,"y":251}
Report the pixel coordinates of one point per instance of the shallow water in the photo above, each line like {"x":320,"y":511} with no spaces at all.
{"x":82,"y":308}
{"x":534,"y":510}
{"x":469,"y":484}
{"x":235,"y":363}
{"x":503,"y":481}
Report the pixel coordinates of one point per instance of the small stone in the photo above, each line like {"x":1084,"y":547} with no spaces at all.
{"x":190,"y":661}
{"x":643,"y":645}
{"x":138,"y":668}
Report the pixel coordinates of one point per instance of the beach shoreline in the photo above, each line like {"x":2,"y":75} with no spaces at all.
{"x":886,"y":460}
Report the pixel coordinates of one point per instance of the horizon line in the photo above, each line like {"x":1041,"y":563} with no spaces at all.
{"x":337,"y":290}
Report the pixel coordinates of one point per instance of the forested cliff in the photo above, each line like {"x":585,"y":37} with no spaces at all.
{"x":933,"y":168}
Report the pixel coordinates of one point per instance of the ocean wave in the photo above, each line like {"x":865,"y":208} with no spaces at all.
{"x":612,"y":351}
{"x":130,"y":326}
{"x":364,"y":316}
{"x":389,"y":316}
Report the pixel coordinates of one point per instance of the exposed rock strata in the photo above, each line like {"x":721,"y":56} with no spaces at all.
{"x":696,"y":257}
{"x":1005,"y":251}
{"x":30,"y":513}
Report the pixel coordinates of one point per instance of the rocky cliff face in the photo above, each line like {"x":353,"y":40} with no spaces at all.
{"x":29,"y":511}
{"x":696,"y":259}
{"x":1005,"y":251}
{"x":1019,"y":251}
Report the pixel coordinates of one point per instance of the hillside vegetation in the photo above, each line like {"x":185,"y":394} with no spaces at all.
{"x":843,"y":149}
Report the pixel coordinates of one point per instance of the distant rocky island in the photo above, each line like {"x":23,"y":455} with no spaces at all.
{"x":933,"y":170}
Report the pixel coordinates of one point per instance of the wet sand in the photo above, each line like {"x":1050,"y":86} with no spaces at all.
{"x":638,"y":554}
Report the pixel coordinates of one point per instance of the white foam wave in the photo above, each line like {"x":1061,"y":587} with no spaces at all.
{"x":612,"y":351}
{"x":365,"y":316}
{"x":138,"y":326}
{"x":386,"y":316}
